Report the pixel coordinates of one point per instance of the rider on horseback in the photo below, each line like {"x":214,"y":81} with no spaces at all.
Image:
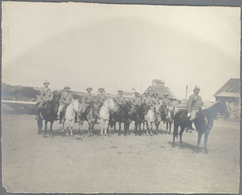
{"x":145,"y":97}
{"x":156,"y":98}
{"x":65,"y":100}
{"x":46,"y":96}
{"x":136,"y":102}
{"x":194,"y":104}
{"x":120,"y":101}
{"x":165,"y":103}
{"x":101,"y":97}
{"x":88,"y":99}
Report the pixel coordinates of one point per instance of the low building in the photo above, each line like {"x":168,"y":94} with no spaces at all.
{"x":158,"y":86}
{"x":230,"y":93}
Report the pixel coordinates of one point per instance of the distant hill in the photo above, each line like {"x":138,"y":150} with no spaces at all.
{"x":32,"y":94}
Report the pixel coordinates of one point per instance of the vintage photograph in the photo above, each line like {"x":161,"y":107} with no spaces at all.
{"x":115,"y":98}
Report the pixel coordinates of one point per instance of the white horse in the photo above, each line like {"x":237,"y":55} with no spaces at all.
{"x":69,"y":117}
{"x":104,"y":113}
{"x":150,"y":119}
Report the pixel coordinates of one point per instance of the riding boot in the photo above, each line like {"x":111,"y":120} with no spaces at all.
{"x":190,"y":125}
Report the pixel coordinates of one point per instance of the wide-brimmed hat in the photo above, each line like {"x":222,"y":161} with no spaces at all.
{"x":166,"y":94}
{"x":89,"y":88}
{"x":66,"y":87}
{"x":101,"y":89}
{"x":46,"y":82}
{"x":120,"y":90}
{"x":196,"y":88}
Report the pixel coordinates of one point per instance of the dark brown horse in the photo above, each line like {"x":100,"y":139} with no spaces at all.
{"x":123,"y":116}
{"x":48,"y":113}
{"x":203,"y":122}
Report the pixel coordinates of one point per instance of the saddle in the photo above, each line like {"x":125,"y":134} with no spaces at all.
{"x":62,"y":113}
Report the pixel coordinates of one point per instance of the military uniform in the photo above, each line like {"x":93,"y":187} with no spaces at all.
{"x":120,"y":102}
{"x":101,"y":97}
{"x":65,"y":100}
{"x":156,"y":100}
{"x":46,"y":95}
{"x":193,"y":105}
{"x":136,"y":101}
{"x":87,"y":100}
{"x":166,"y":102}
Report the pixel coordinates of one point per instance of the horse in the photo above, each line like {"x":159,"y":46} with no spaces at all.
{"x":89,"y":116}
{"x":48,"y":113}
{"x":150,"y":119}
{"x":158,"y":116}
{"x":169,"y":117}
{"x":139,"y":116}
{"x":123,"y":116}
{"x":203,"y":122}
{"x":68,"y":116}
{"x":107,"y":108}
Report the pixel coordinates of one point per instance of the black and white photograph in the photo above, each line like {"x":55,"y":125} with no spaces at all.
{"x":120,"y":98}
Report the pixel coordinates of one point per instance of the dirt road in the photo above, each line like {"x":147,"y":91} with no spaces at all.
{"x":112,"y":163}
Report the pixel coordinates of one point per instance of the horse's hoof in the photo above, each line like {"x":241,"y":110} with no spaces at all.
{"x":71,"y":134}
{"x":147,"y":134}
{"x":205,"y":152}
{"x":197,"y":151}
{"x":67,"y":134}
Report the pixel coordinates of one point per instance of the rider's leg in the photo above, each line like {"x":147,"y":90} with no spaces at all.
{"x":59,"y":111}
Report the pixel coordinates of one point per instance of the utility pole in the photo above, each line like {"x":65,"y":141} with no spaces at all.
{"x":186,"y":92}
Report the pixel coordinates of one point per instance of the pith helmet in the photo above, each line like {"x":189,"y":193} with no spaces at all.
{"x":166,"y":94}
{"x":89,"y":88}
{"x":196,"y":88}
{"x":101,"y":89}
{"x":46,"y":82}
{"x":120,"y":91}
{"x":66,"y":87}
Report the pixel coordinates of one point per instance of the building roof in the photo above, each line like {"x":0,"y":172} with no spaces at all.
{"x":162,"y":91}
{"x":230,"y":89}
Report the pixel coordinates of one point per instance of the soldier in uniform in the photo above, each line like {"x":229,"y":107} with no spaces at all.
{"x":145,"y":97}
{"x":46,"y":95}
{"x":165,"y":103}
{"x":101,"y":97}
{"x":136,"y":101}
{"x":65,"y":100}
{"x":194,"y":104}
{"x":156,"y":98}
{"x":119,"y":100}
{"x":87,"y":100}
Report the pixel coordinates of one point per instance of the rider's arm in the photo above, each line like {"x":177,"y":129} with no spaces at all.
{"x":189,"y":104}
{"x":51,"y":95}
{"x":42,"y":95}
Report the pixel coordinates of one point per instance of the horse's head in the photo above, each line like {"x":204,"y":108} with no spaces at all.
{"x":110,"y":103}
{"x":222,"y":109}
{"x":55,"y":104}
{"x":75,"y":104}
{"x":128,"y":107}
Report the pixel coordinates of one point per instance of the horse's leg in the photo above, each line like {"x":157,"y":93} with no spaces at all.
{"x":198,"y":140}
{"x":147,"y":127}
{"x":67,"y":127}
{"x":119,"y":128}
{"x":180,"y":135}
{"x":170,"y":128}
{"x":51,"y":126}
{"x":140,"y":129}
{"x":106,"y":126}
{"x":166,"y":126}
{"x":71,"y":126}
{"x":40,"y":124}
{"x":46,"y":126}
{"x":135,"y":127}
{"x":175,"y":133}
{"x":206,"y":141}
{"x":151,"y":128}
{"x":101,"y":122}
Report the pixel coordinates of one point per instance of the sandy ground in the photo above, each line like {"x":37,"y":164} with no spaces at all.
{"x":112,"y":163}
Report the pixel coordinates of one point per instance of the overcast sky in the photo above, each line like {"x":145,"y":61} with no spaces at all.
{"x":126,"y":46}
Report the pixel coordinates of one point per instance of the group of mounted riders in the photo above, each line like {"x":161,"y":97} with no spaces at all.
{"x":149,"y":99}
